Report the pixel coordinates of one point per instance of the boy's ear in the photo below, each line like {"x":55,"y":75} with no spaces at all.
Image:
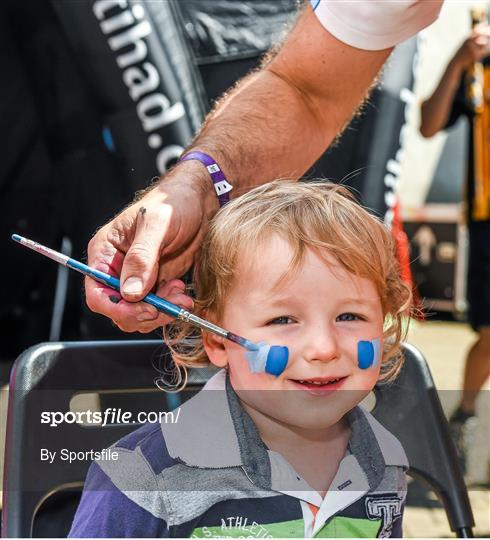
{"x":215,"y":349}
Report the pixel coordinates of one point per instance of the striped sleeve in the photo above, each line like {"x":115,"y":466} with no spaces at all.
{"x":106,"y":512}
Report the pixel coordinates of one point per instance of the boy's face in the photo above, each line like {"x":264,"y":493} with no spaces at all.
{"x":320,"y":313}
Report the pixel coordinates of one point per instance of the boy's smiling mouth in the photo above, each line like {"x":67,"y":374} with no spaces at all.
{"x":319,"y":385}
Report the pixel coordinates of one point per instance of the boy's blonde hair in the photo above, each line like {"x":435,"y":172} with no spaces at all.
{"x":317,"y":215}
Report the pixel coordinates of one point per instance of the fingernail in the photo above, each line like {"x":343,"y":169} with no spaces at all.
{"x":133,"y":285}
{"x":146,"y":316}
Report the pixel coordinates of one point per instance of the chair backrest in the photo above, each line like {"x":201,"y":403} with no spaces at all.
{"x":410,"y":408}
{"x":46,"y":377}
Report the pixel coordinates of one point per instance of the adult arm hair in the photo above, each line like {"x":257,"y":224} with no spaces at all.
{"x":277,"y":121}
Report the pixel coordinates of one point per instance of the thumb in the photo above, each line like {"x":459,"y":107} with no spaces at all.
{"x":140,"y":267}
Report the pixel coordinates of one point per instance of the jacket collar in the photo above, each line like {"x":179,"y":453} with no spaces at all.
{"x":214,"y":431}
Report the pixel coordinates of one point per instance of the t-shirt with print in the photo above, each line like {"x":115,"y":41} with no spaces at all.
{"x":210,"y":475}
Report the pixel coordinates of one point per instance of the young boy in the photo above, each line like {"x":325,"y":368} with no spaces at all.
{"x":253,"y":455}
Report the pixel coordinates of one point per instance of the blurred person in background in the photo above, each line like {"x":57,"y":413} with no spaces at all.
{"x":464,"y":90}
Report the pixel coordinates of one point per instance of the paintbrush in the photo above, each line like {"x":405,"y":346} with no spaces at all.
{"x":262,"y":357}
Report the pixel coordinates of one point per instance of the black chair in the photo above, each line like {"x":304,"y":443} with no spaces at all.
{"x":410,"y":408}
{"x":46,"y":377}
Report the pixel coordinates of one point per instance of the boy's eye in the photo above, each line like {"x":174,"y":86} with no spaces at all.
{"x":349,"y":317}
{"x":281,"y":320}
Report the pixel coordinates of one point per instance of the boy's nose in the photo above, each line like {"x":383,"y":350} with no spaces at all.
{"x":321,"y":345}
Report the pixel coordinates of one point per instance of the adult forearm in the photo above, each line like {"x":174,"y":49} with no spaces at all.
{"x":435,"y":110}
{"x":279,"y":120}
{"x":263,"y":130}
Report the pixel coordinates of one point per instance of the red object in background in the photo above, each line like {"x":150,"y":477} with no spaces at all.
{"x":402,"y":246}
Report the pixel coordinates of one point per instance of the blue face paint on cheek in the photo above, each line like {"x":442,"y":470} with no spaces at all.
{"x":266,"y":359}
{"x":368,"y":353}
{"x":277,"y":360}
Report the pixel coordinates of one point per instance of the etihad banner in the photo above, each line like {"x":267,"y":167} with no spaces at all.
{"x":144,"y":61}
{"x":131,"y":67}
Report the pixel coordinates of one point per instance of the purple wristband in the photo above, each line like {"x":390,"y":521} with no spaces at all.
{"x":221,"y":185}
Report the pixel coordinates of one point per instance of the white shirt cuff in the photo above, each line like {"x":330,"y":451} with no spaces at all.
{"x":375,"y":24}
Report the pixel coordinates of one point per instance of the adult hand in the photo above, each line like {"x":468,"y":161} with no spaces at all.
{"x":475,"y":47}
{"x":148,"y":245}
